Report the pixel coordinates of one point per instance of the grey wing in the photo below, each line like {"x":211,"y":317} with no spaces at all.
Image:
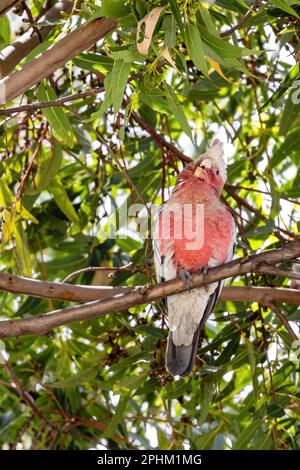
{"x":164,"y":266}
{"x":215,"y":295}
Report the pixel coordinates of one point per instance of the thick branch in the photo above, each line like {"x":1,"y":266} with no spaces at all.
{"x":13,"y":54}
{"x":7,"y":5}
{"x":43,"y":323}
{"x":80,"y":293}
{"x":260,"y":295}
{"x":50,"y":60}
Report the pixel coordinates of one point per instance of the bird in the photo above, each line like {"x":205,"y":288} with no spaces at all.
{"x":193,"y":231}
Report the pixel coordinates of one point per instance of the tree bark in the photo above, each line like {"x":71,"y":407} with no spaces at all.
{"x":14,"y":53}
{"x":42,"y":324}
{"x":7,"y":5}
{"x":50,"y":60}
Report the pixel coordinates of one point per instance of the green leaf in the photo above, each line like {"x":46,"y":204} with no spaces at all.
{"x":236,"y":168}
{"x":48,"y":169}
{"x":177,"y":14}
{"x":82,"y":377}
{"x":93,"y":62}
{"x":163,"y":442}
{"x":7,"y":199}
{"x":292,"y":192}
{"x":252,"y":362}
{"x":243,"y":440}
{"x":285,"y":85}
{"x":169,"y":27}
{"x":283,"y":5}
{"x":174,"y":390}
{"x":205,"y":441}
{"x":43,"y":46}
{"x":205,"y":399}
{"x":115,"y":8}
{"x":229,"y":350}
{"x":289,"y":147}
{"x":117,"y":417}
{"x":119,"y":78}
{"x":275,"y":411}
{"x":23,"y":254}
{"x":291,"y":114}
{"x":61,"y":198}
{"x":107,"y":102}
{"x":177,"y":110}
{"x":223,"y":48}
{"x":56,"y":116}
{"x":2,"y":352}
{"x":4,"y":30}
{"x":195,"y":48}
{"x":205,"y":19}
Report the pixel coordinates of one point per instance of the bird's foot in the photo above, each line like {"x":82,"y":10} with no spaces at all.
{"x":203,"y":270}
{"x":244,"y":259}
{"x":143,"y":290}
{"x":185,"y":276}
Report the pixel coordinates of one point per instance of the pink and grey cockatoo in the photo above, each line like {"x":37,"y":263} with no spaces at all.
{"x":193,"y":231}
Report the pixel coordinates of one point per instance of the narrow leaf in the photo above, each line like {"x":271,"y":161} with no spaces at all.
{"x":61,"y":198}
{"x":117,"y":417}
{"x":119,"y":78}
{"x":195,"y":48}
{"x":22,"y":250}
{"x":177,"y":110}
{"x":177,"y":14}
{"x":218,"y":69}
{"x":56,"y":117}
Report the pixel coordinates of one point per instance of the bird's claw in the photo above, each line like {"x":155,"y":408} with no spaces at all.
{"x":244,"y":259}
{"x":203,"y":270}
{"x":185,"y":276}
{"x":143,"y":290}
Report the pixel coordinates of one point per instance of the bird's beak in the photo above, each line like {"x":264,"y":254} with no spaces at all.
{"x":198,"y":171}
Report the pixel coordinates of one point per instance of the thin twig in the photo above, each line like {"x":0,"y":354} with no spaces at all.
{"x":21,"y":185}
{"x":24,"y":395}
{"x":159,"y":139}
{"x":31,"y":107}
{"x":283,"y":319}
{"x":128,"y":267}
{"x":31,"y":21}
{"x":242,"y":21}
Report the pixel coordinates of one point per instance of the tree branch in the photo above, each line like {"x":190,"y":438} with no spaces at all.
{"x":159,"y":139}
{"x":14,"y":53}
{"x":283,"y":319}
{"x":41,"y":324}
{"x":7,"y":5}
{"x":61,"y":52}
{"x":261,"y":295}
{"x":81,"y":293}
{"x":31,"y":107}
{"x":242,"y":21}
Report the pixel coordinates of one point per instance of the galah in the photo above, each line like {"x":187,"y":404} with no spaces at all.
{"x":193,"y":231}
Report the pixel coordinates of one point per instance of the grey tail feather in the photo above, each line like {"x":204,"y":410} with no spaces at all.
{"x":180,"y":359}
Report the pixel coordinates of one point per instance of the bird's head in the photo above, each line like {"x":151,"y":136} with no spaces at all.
{"x":210,"y":167}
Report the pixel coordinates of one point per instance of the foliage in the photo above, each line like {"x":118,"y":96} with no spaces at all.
{"x":103,"y":382}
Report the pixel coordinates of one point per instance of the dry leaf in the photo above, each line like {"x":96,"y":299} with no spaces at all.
{"x":166,"y":54}
{"x":217,"y":68}
{"x":150,"y":21}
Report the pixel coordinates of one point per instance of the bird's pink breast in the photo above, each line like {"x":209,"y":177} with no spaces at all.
{"x":192,"y":249}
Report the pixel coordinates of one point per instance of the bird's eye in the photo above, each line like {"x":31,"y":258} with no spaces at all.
{"x":217,"y":172}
